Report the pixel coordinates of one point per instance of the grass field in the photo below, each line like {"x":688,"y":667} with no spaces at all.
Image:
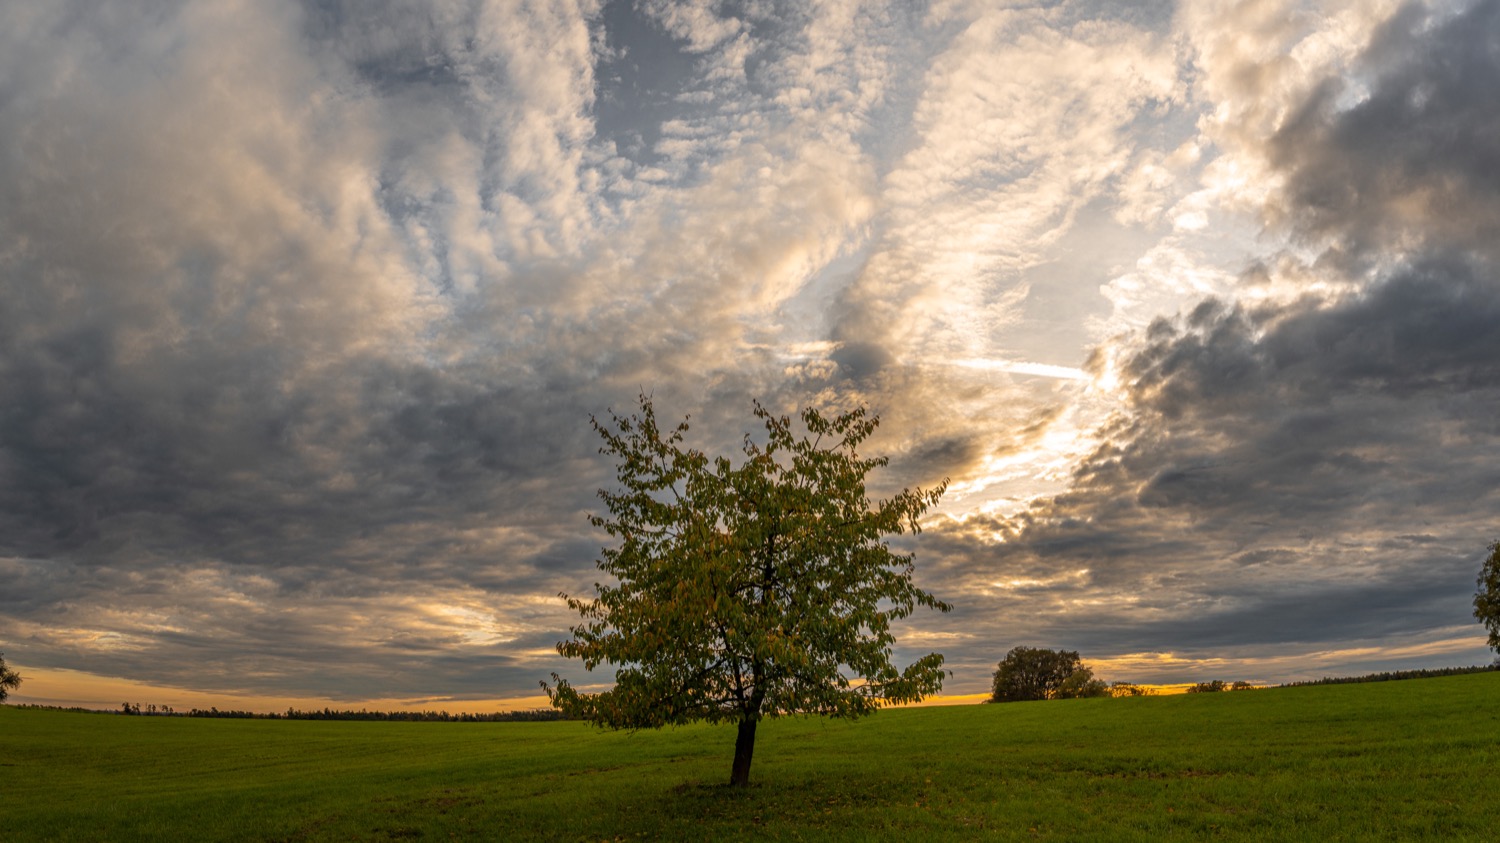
{"x":1395,"y":760}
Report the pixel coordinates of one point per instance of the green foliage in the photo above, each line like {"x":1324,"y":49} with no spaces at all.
{"x":1383,"y":761}
{"x":1081,"y":684}
{"x":1487,"y":598}
{"x":1034,"y":673}
{"x":747,"y":591}
{"x":9,"y":679}
{"x":1129,"y":689}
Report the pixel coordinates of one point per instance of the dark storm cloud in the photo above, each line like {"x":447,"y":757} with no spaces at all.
{"x":1304,"y":473}
{"x":860,"y":360}
{"x":237,"y":425}
{"x":301,"y":392}
{"x":1414,"y":160}
{"x":1378,"y":408}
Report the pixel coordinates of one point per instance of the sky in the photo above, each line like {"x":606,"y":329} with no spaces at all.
{"x":305,"y":308}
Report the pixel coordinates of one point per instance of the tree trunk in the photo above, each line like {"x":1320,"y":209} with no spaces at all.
{"x":744,"y":747}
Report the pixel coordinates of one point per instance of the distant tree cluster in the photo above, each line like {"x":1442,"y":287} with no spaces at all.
{"x":152,"y":708}
{"x":1034,"y":673}
{"x":231,"y":714}
{"x":1218,"y":685}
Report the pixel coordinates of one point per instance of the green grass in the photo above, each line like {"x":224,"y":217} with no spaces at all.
{"x":1396,"y":761}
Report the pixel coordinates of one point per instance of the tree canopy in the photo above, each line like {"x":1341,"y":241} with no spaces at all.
{"x":747,"y":591}
{"x":1033,"y":673}
{"x":9,"y":679}
{"x":1487,"y":598}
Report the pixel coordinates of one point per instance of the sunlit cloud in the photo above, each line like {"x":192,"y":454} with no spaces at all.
{"x":308,"y":306}
{"x":1020,"y":367}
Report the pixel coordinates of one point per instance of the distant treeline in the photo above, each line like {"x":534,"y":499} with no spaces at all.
{"x":532,"y":714}
{"x":527,"y":715}
{"x":547,"y":714}
{"x":135,"y":709}
{"x":1393,"y":675}
{"x":1218,"y":685}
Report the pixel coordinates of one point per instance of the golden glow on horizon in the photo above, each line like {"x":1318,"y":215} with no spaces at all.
{"x":947,"y":699}
{"x":72,"y":688}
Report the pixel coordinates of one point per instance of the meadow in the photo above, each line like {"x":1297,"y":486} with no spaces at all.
{"x":1415,"y":759}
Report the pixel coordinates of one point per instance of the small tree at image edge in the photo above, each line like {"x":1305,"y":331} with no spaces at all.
{"x":9,"y":679}
{"x":1487,"y":598}
{"x":747,"y":591}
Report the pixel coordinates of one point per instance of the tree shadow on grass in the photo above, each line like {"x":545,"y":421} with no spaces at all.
{"x":782,"y":803}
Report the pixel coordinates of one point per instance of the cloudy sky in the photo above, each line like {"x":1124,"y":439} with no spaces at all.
{"x":305,"y":307}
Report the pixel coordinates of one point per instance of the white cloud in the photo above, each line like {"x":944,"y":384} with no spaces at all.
{"x":1018,"y":125}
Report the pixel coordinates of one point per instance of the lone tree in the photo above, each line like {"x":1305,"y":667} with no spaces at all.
{"x":747,"y":591}
{"x":1032,"y":673}
{"x":9,"y":679}
{"x":1487,"y":598}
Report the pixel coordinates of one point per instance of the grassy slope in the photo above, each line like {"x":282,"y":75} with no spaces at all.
{"x":1396,"y":760}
